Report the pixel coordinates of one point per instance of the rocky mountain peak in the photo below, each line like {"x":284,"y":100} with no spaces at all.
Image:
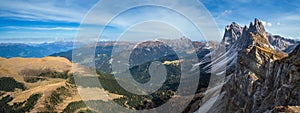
{"x":255,"y":35}
{"x":260,"y":77}
{"x":178,"y":43}
{"x":258,"y":28}
{"x":232,"y":33}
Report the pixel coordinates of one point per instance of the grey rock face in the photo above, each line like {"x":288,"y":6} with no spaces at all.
{"x":236,"y":33}
{"x":261,"y":77}
{"x":257,"y":28}
{"x":232,"y":33}
{"x":282,"y":44}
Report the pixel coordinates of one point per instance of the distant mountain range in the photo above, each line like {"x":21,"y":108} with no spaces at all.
{"x":261,"y":74}
{"x":9,"y":50}
{"x":146,"y":50}
{"x":259,"y":67}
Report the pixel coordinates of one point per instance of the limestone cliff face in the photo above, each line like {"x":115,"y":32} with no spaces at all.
{"x":232,"y":33}
{"x":263,"y":78}
{"x":260,"y":83}
{"x":287,"y":80}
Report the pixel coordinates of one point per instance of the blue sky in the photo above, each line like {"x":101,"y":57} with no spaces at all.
{"x":35,"y":21}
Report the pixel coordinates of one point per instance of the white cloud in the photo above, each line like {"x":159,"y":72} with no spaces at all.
{"x":292,"y":17}
{"x":269,"y":24}
{"x":53,"y":10}
{"x":75,"y":11}
{"x":226,"y":12}
{"x":151,"y":30}
{"x":278,"y":23}
{"x":266,"y":24}
{"x":190,"y":11}
{"x":43,"y":28}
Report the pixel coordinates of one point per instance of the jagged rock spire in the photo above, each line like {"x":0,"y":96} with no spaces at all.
{"x":244,"y":35}
{"x":232,"y":33}
{"x":258,"y":28}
